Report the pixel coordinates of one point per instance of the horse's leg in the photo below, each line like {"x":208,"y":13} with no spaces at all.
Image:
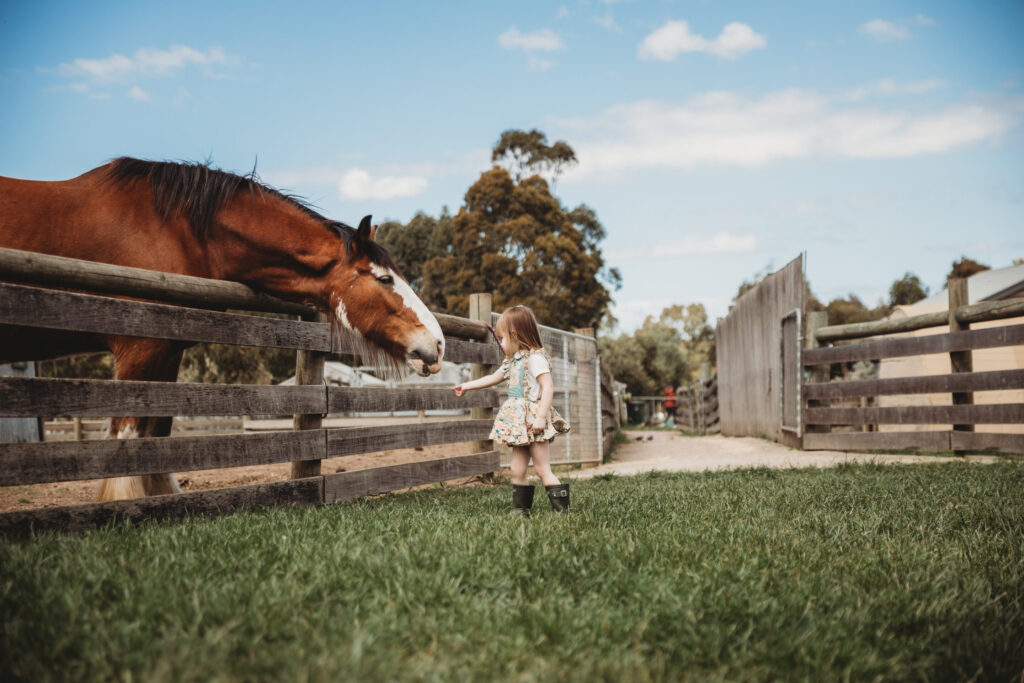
{"x":148,"y":360}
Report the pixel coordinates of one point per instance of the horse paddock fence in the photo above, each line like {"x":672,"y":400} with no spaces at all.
{"x":962,"y":410}
{"x":34,"y":293}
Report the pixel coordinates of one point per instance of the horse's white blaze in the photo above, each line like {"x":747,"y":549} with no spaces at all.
{"x":413,"y":302}
{"x":343,"y":317}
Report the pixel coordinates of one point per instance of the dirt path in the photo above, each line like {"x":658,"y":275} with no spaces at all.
{"x":673,"y":452}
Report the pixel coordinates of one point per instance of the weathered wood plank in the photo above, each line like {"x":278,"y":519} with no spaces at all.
{"x":35,"y":307}
{"x":368,"y":400}
{"x":458,"y":351}
{"x":21,"y":396}
{"x":47,"y":270}
{"x":199,"y":503}
{"x":933,"y":384}
{"x":981,"y":441}
{"x":974,"y":313}
{"x":1010,"y":335}
{"x":349,"y":485}
{"x":37,"y":463}
{"x":872,"y":441}
{"x":357,"y":440}
{"x":453,"y":325}
{"x":1007,"y":413}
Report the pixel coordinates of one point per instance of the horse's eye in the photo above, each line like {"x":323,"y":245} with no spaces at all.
{"x":386,"y":280}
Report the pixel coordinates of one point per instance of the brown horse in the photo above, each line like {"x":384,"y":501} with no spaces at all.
{"x":195,"y":220}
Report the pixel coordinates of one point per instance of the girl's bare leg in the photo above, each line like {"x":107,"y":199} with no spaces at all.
{"x":520,"y":461}
{"x":542,"y":463}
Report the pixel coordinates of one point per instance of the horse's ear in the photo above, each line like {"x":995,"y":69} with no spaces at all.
{"x":365,"y":231}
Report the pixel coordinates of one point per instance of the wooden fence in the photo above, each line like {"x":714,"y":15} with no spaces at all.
{"x":831,"y":421}
{"x":32,"y":303}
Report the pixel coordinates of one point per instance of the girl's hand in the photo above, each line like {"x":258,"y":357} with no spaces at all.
{"x":459,"y":390}
{"x":538,"y":425}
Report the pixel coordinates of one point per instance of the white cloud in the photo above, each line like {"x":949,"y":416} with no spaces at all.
{"x":608,"y":22}
{"x":464,"y":164}
{"x":924,"y":21}
{"x":728,"y":129}
{"x":675,"y":37}
{"x":544,"y":40}
{"x":889,"y":86}
{"x":881,"y":30}
{"x":562,"y":12}
{"x":145,"y":62}
{"x":137,"y":93}
{"x":359,"y":184}
{"x":693,"y":245}
{"x":537,"y":64}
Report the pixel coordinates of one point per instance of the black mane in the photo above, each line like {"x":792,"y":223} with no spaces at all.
{"x":199,"y":192}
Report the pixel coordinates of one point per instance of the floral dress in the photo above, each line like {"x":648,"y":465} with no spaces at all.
{"x":517,"y":413}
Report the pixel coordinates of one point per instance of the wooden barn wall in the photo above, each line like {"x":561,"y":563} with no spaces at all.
{"x":749,"y":362}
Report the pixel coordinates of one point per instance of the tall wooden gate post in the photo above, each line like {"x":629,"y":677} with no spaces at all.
{"x":480,"y":309}
{"x":818,"y":373}
{"x":309,"y":369}
{"x":960,"y":361}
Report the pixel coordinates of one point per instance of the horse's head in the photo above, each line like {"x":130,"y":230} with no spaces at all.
{"x":373,"y":301}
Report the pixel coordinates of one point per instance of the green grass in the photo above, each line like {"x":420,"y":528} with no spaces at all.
{"x":858,"y":572}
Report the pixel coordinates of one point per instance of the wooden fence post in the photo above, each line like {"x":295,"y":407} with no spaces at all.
{"x":819,"y":374}
{"x":960,"y":361}
{"x":309,"y":369}
{"x":480,"y":309}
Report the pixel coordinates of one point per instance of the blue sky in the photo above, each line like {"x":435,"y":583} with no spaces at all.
{"x":715,"y":139}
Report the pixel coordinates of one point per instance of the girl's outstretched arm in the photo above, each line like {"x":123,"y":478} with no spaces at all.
{"x":486,"y":381}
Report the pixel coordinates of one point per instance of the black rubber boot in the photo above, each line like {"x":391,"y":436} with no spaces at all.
{"x":522,"y":500}
{"x":559,"y":497}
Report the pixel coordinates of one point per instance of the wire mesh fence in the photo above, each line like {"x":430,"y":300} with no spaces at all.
{"x":576,"y":374}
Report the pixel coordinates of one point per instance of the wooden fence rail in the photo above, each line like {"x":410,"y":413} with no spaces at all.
{"x":963,"y":415}
{"x":192,"y":309}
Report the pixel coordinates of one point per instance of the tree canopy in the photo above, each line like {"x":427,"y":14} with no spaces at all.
{"x":666,"y":351}
{"x":966,"y":267}
{"x":907,"y":290}
{"x":514,"y":239}
{"x":525,"y":152}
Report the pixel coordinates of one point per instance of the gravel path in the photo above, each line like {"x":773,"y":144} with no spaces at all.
{"x":672,"y":452}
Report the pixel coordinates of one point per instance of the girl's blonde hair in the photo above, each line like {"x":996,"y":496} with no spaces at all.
{"x":518,"y":324}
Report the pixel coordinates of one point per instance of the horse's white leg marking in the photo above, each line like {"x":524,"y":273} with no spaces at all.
{"x":123,"y":488}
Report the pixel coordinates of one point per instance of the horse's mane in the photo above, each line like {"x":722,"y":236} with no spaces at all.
{"x":199,"y":191}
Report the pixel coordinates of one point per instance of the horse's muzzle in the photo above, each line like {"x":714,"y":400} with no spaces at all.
{"x":425,"y":361}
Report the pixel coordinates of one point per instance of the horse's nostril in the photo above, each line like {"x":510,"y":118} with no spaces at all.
{"x":427,"y":357}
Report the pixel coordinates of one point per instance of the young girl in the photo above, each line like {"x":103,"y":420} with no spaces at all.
{"x":526,"y":421}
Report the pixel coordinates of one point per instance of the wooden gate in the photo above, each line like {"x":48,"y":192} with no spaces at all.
{"x":847,"y":415}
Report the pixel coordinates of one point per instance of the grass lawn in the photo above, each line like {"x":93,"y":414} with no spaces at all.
{"x":856,"y":572}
